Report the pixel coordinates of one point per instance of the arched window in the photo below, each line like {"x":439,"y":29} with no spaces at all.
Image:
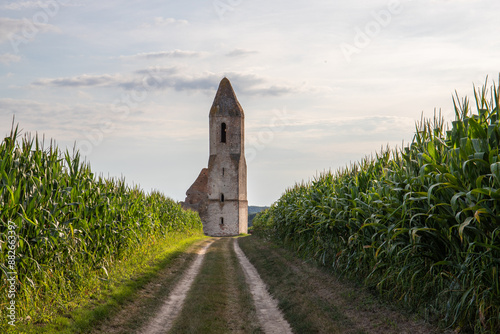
{"x":222,"y":197}
{"x":221,"y":221}
{"x":223,"y":133}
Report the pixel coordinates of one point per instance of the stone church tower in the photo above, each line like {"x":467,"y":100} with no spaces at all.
{"x":219,"y":193}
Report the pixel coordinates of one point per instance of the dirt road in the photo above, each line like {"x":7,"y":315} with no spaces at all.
{"x":218,"y":287}
{"x":270,"y":317}
{"x":164,"y":319}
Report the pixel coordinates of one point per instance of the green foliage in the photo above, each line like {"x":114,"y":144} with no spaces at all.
{"x":421,"y":224}
{"x":69,"y":222}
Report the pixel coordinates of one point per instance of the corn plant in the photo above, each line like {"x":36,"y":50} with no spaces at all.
{"x":421,"y":224}
{"x":69,"y":221}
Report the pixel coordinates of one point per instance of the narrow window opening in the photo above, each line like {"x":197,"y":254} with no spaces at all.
{"x":223,"y":171}
{"x":222,"y":197}
{"x":223,"y":133}
{"x":221,"y":221}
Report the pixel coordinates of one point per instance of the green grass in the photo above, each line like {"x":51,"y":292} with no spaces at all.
{"x":303,"y":308}
{"x":219,"y":300}
{"x":421,"y":224}
{"x":70,"y":228}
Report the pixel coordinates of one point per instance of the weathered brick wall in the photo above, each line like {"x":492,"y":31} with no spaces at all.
{"x":220,"y":192}
{"x":229,"y":212}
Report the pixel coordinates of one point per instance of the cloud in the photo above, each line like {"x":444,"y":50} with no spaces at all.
{"x":45,"y":116}
{"x":22,"y":29}
{"x":325,"y":142}
{"x":162,"y":21}
{"x":272,"y":90}
{"x":44,"y":110}
{"x":162,"y":78}
{"x":158,"y":71}
{"x":240,"y":52}
{"x":165,"y":54}
{"x":24,"y":5}
{"x":20,"y":5}
{"x":377,"y":128}
{"x":84,"y":80}
{"x":96,"y":122}
{"x":8,"y":27}
{"x":8,"y":58}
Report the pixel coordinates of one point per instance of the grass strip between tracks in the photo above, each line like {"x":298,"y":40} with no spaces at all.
{"x":219,"y":300}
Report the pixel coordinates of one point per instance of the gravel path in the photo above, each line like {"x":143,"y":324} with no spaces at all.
{"x":164,"y":319}
{"x":270,"y":317}
{"x":214,"y":288}
{"x":268,"y":314}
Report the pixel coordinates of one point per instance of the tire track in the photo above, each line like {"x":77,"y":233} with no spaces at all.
{"x":164,"y":319}
{"x":268,"y":313}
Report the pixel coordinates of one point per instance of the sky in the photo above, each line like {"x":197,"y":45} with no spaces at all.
{"x":322,"y":83}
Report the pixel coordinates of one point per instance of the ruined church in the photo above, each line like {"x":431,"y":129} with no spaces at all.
{"x":219,"y":194}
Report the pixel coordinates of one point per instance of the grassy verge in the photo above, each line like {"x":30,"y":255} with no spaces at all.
{"x":101,"y":299}
{"x":314,"y":301}
{"x":219,"y":300}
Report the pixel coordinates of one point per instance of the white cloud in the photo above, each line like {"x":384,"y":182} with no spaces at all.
{"x":240,"y":52}
{"x":341,"y":129}
{"x":20,"y":5}
{"x":8,"y":27}
{"x":8,"y":58}
{"x":165,"y":54}
{"x":161,"y":78}
{"x":98,"y":122}
{"x":16,"y":30}
{"x":162,"y":22}
{"x":60,"y":121}
{"x":84,"y":80}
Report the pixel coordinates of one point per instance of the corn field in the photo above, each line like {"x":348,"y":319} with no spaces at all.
{"x":68,"y":221}
{"x":421,"y":224}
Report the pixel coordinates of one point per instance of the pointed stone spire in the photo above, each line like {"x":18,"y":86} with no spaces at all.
{"x":225,"y":102}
